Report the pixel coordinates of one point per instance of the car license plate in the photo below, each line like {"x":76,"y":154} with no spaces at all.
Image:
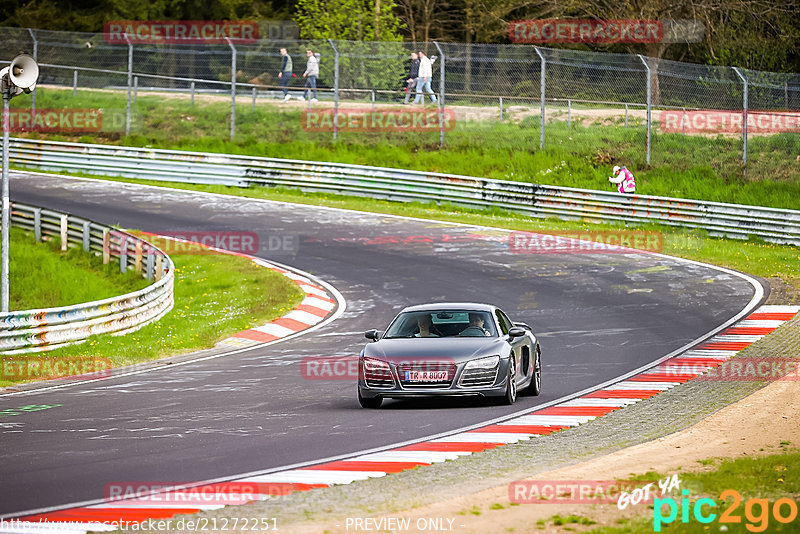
{"x":426,"y":376}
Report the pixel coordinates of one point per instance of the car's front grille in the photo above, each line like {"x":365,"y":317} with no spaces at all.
{"x":426,"y":367}
{"x":478,"y":377}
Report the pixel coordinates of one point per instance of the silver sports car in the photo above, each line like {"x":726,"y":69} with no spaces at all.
{"x":449,"y":349}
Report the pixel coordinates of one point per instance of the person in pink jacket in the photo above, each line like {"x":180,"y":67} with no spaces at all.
{"x":624,"y":179}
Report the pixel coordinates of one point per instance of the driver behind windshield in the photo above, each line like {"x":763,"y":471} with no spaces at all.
{"x":475,"y":328}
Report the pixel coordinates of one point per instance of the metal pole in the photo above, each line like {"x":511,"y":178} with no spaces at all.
{"x":649,"y":103}
{"x":569,"y":113}
{"x":6,"y":208}
{"x":501,"y":109}
{"x":541,"y":93}
{"x":36,"y":59}
{"x":135,"y":88}
{"x":233,"y":87}
{"x":130,"y":82}
{"x":335,"y":89}
{"x":626,"y":115}
{"x":74,"y":82}
{"x":254,"y":99}
{"x":441,"y":94}
{"x":191,"y":101}
{"x":744,"y":121}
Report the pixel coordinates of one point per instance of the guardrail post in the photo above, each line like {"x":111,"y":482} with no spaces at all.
{"x":441,"y":93}
{"x":138,"y":257}
{"x":64,"y":232}
{"x":123,"y":254}
{"x":87,"y":235}
{"x":36,"y":59}
{"x":37,"y":224}
{"x":335,"y":89}
{"x":149,"y":273}
{"x":130,"y":76}
{"x":744,"y":121}
{"x":159,"y":268}
{"x":541,"y":94}
{"x":106,"y":246}
{"x":233,"y":87}
{"x":649,"y":103}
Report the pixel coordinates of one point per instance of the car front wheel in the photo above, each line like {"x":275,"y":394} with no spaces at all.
{"x":374,"y":402}
{"x":510,"y":396}
{"x":536,"y":380}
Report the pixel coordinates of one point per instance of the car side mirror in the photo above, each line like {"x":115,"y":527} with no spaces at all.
{"x":373,"y":334}
{"x":516,"y":331}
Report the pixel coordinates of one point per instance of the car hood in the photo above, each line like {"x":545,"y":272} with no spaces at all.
{"x":456,"y":348}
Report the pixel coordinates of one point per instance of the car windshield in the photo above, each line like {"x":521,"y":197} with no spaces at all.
{"x":442,"y":323}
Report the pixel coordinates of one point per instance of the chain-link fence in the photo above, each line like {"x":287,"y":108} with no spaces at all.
{"x":666,"y":109}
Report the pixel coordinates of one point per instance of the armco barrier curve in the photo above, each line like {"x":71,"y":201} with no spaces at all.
{"x":732,"y":220}
{"x":50,"y":328}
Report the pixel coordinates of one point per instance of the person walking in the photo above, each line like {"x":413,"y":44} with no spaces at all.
{"x":285,"y":75}
{"x":413,"y":74}
{"x":624,"y":179}
{"x":424,"y":79}
{"x":311,"y":73}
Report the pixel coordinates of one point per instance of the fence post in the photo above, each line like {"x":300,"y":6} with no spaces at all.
{"x":626,"y":115}
{"x":501,"y":109}
{"x":541,"y":94}
{"x":130,"y":82}
{"x":64,"y":232}
{"x":159,"y":268}
{"x":649,"y":103}
{"x":75,"y":82}
{"x":569,"y":113}
{"x":441,"y":94}
{"x":335,"y":89}
{"x":233,"y":87}
{"x":87,"y":235}
{"x":191,"y":98}
{"x":254,"y":99}
{"x":37,"y":224}
{"x":106,"y":246}
{"x":123,"y":253}
{"x":744,"y":120}
{"x":135,"y":88}
{"x":35,"y":58}
{"x":149,"y":273}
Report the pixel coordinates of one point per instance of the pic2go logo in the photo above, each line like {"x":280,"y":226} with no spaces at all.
{"x":756,"y":511}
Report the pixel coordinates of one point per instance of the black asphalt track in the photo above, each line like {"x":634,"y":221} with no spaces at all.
{"x":597,"y":315}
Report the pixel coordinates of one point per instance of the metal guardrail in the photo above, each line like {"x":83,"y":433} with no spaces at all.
{"x":50,"y":328}
{"x":732,"y":220}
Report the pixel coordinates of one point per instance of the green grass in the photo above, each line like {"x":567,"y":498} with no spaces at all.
{"x":682,"y":166}
{"x":215,"y":296}
{"x":770,"y":477}
{"x":41,"y":276}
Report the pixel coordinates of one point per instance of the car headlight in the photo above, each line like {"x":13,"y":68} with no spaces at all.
{"x":484,"y":363}
{"x":375,"y":365}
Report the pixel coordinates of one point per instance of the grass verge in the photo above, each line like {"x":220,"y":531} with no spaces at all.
{"x":216,"y":295}
{"x":699,"y":167}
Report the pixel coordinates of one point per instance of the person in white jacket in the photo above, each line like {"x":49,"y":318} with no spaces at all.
{"x":311,"y":73}
{"x":624,"y":179}
{"x":424,"y":79}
